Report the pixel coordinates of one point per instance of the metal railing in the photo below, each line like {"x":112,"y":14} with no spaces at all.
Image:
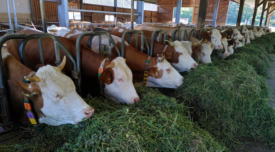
{"x":179,"y":34}
{"x":94,"y":11}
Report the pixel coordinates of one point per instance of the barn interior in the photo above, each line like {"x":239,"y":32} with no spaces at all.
{"x":225,"y":104}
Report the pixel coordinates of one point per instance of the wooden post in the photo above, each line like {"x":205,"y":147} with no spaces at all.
{"x":215,"y":14}
{"x":264,"y":6}
{"x":202,"y":14}
{"x":115,"y":6}
{"x":240,"y":13}
{"x":178,"y":12}
{"x":82,"y":13}
{"x":267,"y":11}
{"x":255,"y":12}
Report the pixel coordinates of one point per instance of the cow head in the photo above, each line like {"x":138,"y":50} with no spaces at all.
{"x":181,"y":59}
{"x":54,"y":97}
{"x":225,"y":44}
{"x":205,"y":52}
{"x":230,"y":50}
{"x":163,"y":75}
{"x":216,"y":39}
{"x":251,"y":35}
{"x":237,"y":34}
{"x":245,"y":30}
{"x":238,"y":44}
{"x":118,"y":80}
{"x":188,"y":46}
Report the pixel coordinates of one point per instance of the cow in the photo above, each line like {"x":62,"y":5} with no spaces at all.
{"x":256,"y":33}
{"x":251,"y":35}
{"x":116,"y":75}
{"x":245,"y":33}
{"x":175,"y":53}
{"x":262,"y":31}
{"x":161,"y":73}
{"x":202,"y":50}
{"x":52,"y":95}
{"x":225,"y":45}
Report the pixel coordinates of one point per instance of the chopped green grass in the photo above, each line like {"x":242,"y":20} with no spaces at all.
{"x":156,"y":123}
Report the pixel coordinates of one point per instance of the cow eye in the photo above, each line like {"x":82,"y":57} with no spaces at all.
{"x":180,"y":53}
{"x":120,"y":80}
{"x":58,"y":96}
{"x":212,"y":37}
{"x":203,"y":54}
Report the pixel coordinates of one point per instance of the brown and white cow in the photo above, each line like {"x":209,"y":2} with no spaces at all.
{"x":52,"y":94}
{"x":116,"y":76}
{"x":161,"y":73}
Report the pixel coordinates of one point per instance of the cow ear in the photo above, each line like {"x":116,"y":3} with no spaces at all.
{"x":20,"y":86}
{"x":153,"y":72}
{"x":107,"y":76}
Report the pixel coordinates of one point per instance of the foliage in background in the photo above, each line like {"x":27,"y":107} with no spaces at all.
{"x":233,"y":11}
{"x":186,"y":12}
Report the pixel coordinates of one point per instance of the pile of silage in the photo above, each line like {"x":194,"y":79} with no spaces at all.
{"x":156,"y":123}
{"x":230,"y":97}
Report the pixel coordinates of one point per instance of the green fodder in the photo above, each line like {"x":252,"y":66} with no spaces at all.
{"x":229,"y":99}
{"x":156,"y":123}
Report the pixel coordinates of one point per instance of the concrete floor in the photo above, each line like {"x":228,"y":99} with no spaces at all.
{"x":255,"y":146}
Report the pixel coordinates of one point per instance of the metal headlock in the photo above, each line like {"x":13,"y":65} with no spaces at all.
{"x":157,"y":36}
{"x":103,"y":49}
{"x":193,"y":33}
{"x":57,"y":44}
{"x":143,"y":40}
{"x":179,"y":34}
{"x":5,"y":113}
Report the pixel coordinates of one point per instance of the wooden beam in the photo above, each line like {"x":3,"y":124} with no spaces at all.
{"x":273,"y":4}
{"x":202,"y":14}
{"x":255,"y":12}
{"x":267,"y":11}
{"x":57,"y":1}
{"x":240,"y":13}
{"x":264,"y":1}
{"x":215,"y":14}
{"x":264,"y":6}
{"x":115,"y":7}
{"x":271,"y":11}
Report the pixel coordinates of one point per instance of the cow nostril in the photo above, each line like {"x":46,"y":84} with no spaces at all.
{"x":196,"y":64}
{"x":89,"y":113}
{"x":136,"y":100}
{"x":182,"y":79}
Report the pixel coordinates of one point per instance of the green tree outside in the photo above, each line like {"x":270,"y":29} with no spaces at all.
{"x":186,"y":12}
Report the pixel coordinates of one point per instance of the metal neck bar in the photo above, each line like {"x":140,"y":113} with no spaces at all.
{"x":132,"y":14}
{"x":9,"y":14}
{"x":14,"y":14}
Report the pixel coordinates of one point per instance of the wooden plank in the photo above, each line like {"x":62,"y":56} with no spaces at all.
{"x":255,"y":12}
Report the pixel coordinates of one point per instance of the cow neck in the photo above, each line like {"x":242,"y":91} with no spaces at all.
{"x":92,"y":63}
{"x":16,"y":72}
{"x":136,"y":59}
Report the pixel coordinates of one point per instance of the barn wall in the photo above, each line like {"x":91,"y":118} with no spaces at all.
{"x":23,"y":11}
{"x":222,"y":12}
{"x":52,"y":13}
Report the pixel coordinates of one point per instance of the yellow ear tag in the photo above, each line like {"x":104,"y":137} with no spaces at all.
{"x":205,"y":40}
